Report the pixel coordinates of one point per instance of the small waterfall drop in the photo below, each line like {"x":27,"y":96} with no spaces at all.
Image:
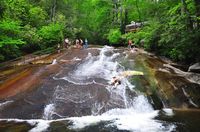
{"x":48,"y":111}
{"x":54,"y":62}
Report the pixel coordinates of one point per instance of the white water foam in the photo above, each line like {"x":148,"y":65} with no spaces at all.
{"x":5,"y":103}
{"x":168,"y":111}
{"x":141,"y":104}
{"x":76,"y":59}
{"x":48,"y":111}
{"x":41,"y":125}
{"x":140,"y":118}
{"x":124,"y":119}
{"x":102,"y":66}
{"x":54,"y":62}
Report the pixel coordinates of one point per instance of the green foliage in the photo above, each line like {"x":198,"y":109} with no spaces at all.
{"x":148,"y":34}
{"x":2,"y":58}
{"x":9,"y":26}
{"x":10,"y":33}
{"x":114,"y":36}
{"x":9,"y":52}
{"x":30,"y":35}
{"x":7,"y":40}
{"x":94,"y":19}
{"x":2,"y":8}
{"x":32,"y":38}
{"x":51,"y":34}
{"x":37,"y":16}
{"x":170,"y":28}
{"x":45,"y":51}
{"x":17,"y":10}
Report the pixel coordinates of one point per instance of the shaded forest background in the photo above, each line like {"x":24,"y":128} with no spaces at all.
{"x":171,"y":27}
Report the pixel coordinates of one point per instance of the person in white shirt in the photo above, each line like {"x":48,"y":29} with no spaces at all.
{"x":66,"y":42}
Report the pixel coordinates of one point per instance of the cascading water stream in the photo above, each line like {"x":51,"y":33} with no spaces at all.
{"x":128,"y":113}
{"x":85,"y":97}
{"x":48,"y":111}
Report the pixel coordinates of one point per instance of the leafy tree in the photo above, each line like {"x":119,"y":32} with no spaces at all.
{"x":169,"y":27}
{"x":114,"y":36}
{"x":37,"y":16}
{"x":9,"y":39}
{"x":17,"y":10}
{"x":9,"y":33}
{"x":51,"y":34}
{"x":2,"y":8}
{"x":31,"y":37}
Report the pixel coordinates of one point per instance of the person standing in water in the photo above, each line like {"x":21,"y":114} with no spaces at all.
{"x":66,"y":42}
{"x":77,"y":43}
{"x":58,"y":48}
{"x":129,"y":43}
{"x":80,"y":43}
{"x":86,"y":43}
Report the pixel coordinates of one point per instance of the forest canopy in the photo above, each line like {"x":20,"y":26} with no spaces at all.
{"x":170,"y":27}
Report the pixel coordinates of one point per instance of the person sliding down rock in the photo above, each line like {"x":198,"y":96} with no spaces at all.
{"x":115,"y":81}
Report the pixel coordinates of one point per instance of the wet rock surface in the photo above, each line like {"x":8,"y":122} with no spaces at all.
{"x":49,"y":92}
{"x":12,"y":126}
{"x":194,"y":68}
{"x":176,"y":88}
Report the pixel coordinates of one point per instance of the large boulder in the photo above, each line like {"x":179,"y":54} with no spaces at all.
{"x":195,"y":68}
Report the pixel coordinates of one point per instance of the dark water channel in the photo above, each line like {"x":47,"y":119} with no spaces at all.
{"x":80,"y":98}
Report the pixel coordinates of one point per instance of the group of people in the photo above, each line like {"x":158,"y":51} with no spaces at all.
{"x":78,"y":43}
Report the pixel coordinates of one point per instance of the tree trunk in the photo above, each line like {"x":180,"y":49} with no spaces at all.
{"x":138,"y":10}
{"x":188,"y":17}
{"x":53,"y":11}
{"x":114,"y":12}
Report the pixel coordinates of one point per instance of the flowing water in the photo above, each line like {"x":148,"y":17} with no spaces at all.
{"x":80,"y":98}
